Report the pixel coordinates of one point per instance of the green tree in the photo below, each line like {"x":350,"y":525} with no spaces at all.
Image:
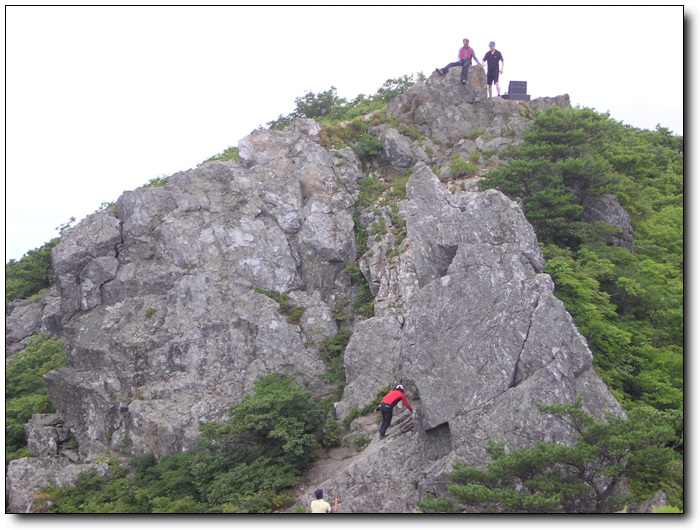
{"x":586,"y":476}
{"x":32,"y":273}
{"x":328,"y":107}
{"x":395,"y":87}
{"x":555,"y":169}
{"x":311,"y":105}
{"x":261,"y":450}
{"x":317,"y":105}
{"x":277,"y":420}
{"x":25,"y":393}
{"x":247,"y":464}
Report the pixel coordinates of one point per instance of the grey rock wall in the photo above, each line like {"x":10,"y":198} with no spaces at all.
{"x":483,"y":340}
{"x":162,"y":315}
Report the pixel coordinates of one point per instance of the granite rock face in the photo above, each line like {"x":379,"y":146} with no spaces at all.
{"x":167,"y":307}
{"x":24,"y":319}
{"x":482,"y":341}
{"x":164,"y":316}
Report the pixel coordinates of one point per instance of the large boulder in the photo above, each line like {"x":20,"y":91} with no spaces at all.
{"x":606,"y":209}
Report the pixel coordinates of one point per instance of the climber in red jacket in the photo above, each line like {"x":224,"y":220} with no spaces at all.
{"x":386,"y":407}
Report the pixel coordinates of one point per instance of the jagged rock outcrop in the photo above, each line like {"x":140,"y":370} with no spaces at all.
{"x":54,"y":462}
{"x":163,"y":316}
{"x":26,"y":475}
{"x":25,"y":318}
{"x":439,"y":108}
{"x":483,"y":340}
{"x":166,"y":321}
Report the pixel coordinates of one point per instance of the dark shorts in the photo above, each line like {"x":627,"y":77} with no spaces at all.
{"x":492,"y":77}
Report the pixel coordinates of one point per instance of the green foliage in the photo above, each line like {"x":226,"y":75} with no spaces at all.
{"x":317,"y":105}
{"x":328,"y":108}
{"x":628,"y":306}
{"x":395,"y":87}
{"x":361,"y":442}
{"x":331,"y":353}
{"x":275,"y":423}
{"x":363,"y":304}
{"x":25,"y":370}
{"x":352,"y":416}
{"x":25,"y":393}
{"x":247,"y":464}
{"x":31,"y":274}
{"x":230,"y":153}
{"x":336,"y":135}
{"x":462,"y":168}
{"x":577,"y":285}
{"x":554,"y":170}
{"x":367,"y":146}
{"x":360,"y":234}
{"x":398,"y":190}
{"x":310,"y":105}
{"x":579,"y":478}
{"x":666,"y":509}
{"x":370,"y":190}
{"x":156,"y":182}
{"x":333,"y":433}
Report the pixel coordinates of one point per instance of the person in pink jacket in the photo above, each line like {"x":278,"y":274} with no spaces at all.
{"x":466,"y":55}
{"x":386,"y":407}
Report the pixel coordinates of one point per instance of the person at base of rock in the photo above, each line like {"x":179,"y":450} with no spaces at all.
{"x":321,"y":506}
{"x":466,"y":55}
{"x":386,"y":407}
{"x":493,"y":58}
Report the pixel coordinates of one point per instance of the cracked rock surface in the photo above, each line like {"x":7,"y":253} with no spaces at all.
{"x":482,"y":341}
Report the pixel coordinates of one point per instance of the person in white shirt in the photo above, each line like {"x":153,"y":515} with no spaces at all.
{"x":321,"y":506}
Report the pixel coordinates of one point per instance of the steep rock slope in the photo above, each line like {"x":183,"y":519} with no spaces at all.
{"x":481,"y":342}
{"x":163,"y":313}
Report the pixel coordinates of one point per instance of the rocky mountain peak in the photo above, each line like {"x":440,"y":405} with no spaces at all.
{"x":166,"y":309}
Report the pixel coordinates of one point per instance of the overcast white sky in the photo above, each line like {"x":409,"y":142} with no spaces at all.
{"x":100,"y":100}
